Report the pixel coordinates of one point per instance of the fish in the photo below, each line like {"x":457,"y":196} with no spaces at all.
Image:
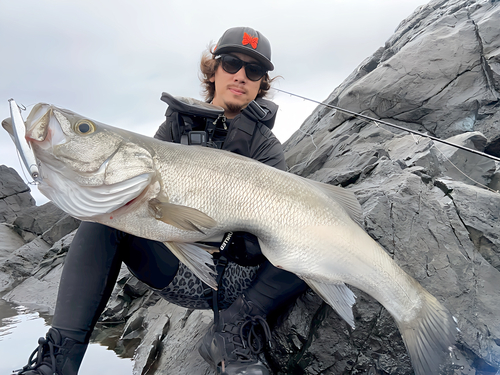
{"x":183,"y":195}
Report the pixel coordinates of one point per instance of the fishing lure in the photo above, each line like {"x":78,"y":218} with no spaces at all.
{"x":19,"y":138}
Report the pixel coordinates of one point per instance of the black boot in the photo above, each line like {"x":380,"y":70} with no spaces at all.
{"x":233,"y":346}
{"x":55,"y":355}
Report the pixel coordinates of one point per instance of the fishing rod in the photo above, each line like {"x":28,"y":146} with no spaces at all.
{"x":359,"y":115}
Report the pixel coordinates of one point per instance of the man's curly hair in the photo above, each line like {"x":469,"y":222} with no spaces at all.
{"x":209,"y":65}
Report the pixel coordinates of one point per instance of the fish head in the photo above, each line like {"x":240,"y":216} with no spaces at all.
{"x":72,"y":142}
{"x":87,"y":168}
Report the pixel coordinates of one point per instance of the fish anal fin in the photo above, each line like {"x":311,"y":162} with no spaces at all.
{"x":182,"y":217}
{"x":197,"y":259}
{"x":338,"y":296}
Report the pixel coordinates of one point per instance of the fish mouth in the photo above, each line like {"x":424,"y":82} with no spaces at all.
{"x":43,"y":128}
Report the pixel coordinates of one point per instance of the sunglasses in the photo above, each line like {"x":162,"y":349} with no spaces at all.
{"x":232,"y":65}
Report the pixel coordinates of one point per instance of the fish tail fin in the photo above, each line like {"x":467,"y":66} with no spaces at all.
{"x":430,"y":336}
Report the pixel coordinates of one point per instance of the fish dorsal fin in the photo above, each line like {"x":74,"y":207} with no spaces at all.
{"x":181,"y":217}
{"x":196,"y":259}
{"x":345,"y":198}
{"x":338,"y":296}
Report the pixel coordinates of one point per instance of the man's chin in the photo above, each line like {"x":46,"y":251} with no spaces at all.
{"x":234,"y":107}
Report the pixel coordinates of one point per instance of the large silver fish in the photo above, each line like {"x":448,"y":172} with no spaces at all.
{"x":183,"y":194}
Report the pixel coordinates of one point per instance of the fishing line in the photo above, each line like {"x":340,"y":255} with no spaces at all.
{"x":412,"y":133}
{"x":447,"y":159}
{"x":312,"y":154}
{"x":359,"y":115}
{"x":458,"y":169}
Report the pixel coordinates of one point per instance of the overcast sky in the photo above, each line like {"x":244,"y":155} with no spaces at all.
{"x":111,"y":60}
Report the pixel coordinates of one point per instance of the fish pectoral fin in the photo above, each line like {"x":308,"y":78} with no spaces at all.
{"x":182,"y":217}
{"x":338,"y":296}
{"x":197,"y":259}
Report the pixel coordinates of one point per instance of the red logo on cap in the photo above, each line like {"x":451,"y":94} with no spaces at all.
{"x":248,"y":39}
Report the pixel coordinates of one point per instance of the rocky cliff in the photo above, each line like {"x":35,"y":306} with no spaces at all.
{"x":433,"y":207}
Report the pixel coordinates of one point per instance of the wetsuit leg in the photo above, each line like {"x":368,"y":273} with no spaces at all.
{"x":274,"y":287}
{"x":150,"y":261}
{"x":89,"y":275}
{"x":91,"y":269}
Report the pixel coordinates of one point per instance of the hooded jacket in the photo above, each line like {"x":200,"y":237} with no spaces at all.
{"x":247,"y":134}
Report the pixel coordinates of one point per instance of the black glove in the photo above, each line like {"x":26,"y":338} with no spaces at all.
{"x":242,"y":248}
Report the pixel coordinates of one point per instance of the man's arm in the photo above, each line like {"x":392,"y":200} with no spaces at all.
{"x":163,"y":133}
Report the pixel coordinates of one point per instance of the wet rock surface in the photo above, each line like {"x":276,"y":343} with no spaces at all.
{"x":433,"y":207}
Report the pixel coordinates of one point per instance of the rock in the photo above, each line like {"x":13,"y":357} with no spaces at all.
{"x":40,"y":282}
{"x":439,"y":73}
{"x":495,"y":180}
{"x":479,"y":212}
{"x":461,"y":165}
{"x":19,"y":265}
{"x":10,"y":241}
{"x":439,"y":225}
{"x":14,"y":194}
{"x":179,"y":350}
{"x":125,"y":298}
{"x":37,"y":294}
{"x":47,"y":221}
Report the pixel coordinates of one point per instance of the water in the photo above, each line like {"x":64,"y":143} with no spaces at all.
{"x":20,"y":329}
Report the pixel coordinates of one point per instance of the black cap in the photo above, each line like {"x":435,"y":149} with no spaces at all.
{"x":248,"y":41}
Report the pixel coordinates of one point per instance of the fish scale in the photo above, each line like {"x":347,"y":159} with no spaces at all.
{"x":183,"y":194}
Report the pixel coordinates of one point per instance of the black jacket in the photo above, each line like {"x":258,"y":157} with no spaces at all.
{"x":246,"y":136}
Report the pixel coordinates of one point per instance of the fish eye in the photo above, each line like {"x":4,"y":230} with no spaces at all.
{"x":84,"y":127}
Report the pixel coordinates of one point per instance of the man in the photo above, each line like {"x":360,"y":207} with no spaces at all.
{"x":235,"y":79}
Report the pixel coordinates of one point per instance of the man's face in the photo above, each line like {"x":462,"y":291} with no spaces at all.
{"x":233,"y":92}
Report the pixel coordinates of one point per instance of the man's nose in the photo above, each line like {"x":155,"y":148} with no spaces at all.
{"x":240,"y":75}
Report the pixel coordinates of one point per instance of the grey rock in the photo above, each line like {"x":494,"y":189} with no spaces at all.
{"x":128,"y":295}
{"x":14,"y":194}
{"x":47,"y":220}
{"x":464,"y":166}
{"x":37,"y":294}
{"x":479,"y":211}
{"x":495,"y":180}
{"x":10,"y":242}
{"x":437,"y":73}
{"x":439,"y":225}
{"x":19,"y":265}
{"x":61,"y":228}
{"x":38,"y":282}
{"x":179,"y":354}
